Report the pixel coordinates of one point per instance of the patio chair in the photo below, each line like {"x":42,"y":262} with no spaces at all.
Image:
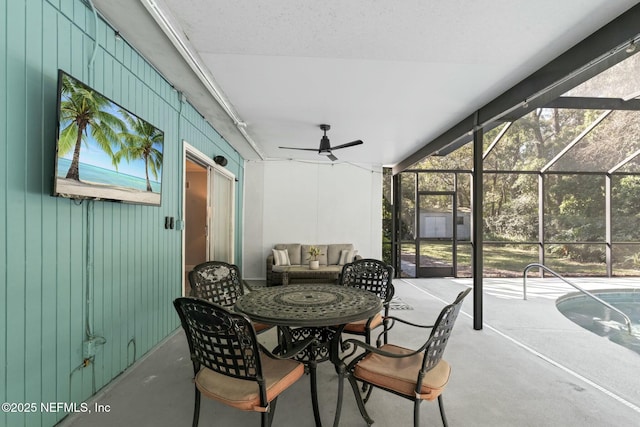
{"x":416,"y":375}
{"x":374,"y":276}
{"x":229,"y":364}
{"x":220,"y":283}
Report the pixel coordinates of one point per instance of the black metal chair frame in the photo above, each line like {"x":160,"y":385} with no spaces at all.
{"x":223,"y":289}
{"x":432,"y":351}
{"x":226,"y":343}
{"x":374,"y":276}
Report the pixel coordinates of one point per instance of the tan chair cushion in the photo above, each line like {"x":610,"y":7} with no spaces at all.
{"x":244,"y":394}
{"x":259,"y":327}
{"x":359,"y":326}
{"x":401,"y":374}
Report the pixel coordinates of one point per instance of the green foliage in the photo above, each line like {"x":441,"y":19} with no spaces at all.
{"x":145,"y":142}
{"x":632,"y":260}
{"x":625,"y":202}
{"x":574,"y":203}
{"x":575,"y":209}
{"x":314,"y":252}
{"x":572,"y":159}
{"x":84,"y":112}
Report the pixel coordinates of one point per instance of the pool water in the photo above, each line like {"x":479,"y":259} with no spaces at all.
{"x":599,"y":319}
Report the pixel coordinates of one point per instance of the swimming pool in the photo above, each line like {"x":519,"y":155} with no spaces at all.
{"x":599,"y":319}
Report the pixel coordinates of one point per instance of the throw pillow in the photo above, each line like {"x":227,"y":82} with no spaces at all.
{"x":347,"y":256}
{"x":281,"y":257}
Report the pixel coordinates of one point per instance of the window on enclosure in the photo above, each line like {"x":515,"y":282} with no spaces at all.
{"x":561,"y":186}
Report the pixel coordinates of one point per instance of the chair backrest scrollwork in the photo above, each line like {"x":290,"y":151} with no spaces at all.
{"x":371,"y":275}
{"x":217,"y":282}
{"x":441,"y":332}
{"x":219,"y":339}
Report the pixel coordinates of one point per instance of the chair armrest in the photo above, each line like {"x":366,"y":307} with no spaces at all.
{"x":354,"y":344}
{"x":379,"y":351}
{"x":406,"y":322}
{"x":389,"y":322}
{"x":297,"y":348}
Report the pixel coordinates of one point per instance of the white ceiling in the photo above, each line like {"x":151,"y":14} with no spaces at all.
{"x":395,"y":74}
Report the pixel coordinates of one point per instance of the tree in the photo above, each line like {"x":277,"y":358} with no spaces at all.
{"x":142,"y":141}
{"x":82,"y":111}
{"x":625,"y":202}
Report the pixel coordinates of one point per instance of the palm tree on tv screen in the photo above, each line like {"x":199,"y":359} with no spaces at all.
{"x":142,"y":141}
{"x":83,"y":110}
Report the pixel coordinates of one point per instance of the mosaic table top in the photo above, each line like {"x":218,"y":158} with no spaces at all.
{"x":308,"y":305}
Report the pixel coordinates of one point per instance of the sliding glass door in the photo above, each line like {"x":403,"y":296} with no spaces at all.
{"x":221,"y":196}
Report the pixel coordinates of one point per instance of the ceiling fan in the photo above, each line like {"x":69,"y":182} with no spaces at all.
{"x":325,"y":146}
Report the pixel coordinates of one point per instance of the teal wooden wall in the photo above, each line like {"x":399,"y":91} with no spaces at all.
{"x":67,"y":267}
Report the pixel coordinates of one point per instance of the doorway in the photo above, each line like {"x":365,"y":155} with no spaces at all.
{"x":437,"y":234}
{"x":196,"y":227}
{"x":208,"y":212}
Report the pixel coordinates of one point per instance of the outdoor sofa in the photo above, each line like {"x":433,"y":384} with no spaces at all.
{"x":332,"y":258}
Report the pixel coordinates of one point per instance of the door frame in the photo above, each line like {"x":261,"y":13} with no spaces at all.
{"x":232,"y":210}
{"x":437,"y":271}
{"x":193,"y":153}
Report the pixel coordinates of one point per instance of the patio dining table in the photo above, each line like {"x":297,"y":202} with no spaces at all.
{"x":307,"y":310}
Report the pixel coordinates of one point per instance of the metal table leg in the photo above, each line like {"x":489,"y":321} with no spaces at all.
{"x":315,"y":353}
{"x":314,"y":392}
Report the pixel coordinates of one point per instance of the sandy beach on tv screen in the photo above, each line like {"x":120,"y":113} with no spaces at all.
{"x":69,"y":187}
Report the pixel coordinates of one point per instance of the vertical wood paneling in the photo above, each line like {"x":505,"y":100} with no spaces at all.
{"x":109,"y":288}
{"x":66,"y":362}
{"x":97,"y":306}
{"x":62,"y":271}
{"x":50,"y":327}
{"x":66,"y":7}
{"x":4,"y":156}
{"x":77,"y":248}
{"x":131,"y":280}
{"x":128,"y":280}
{"x":33,"y":214}
{"x":48,"y":241}
{"x":16,"y":189}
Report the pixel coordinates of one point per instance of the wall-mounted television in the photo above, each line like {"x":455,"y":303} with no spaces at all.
{"x":103,"y":151}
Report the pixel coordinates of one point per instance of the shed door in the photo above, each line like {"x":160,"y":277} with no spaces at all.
{"x":436,"y":234}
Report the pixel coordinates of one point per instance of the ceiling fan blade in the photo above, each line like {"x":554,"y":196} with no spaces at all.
{"x":332,"y":157}
{"x":348,"y":144}
{"x":296,"y":148}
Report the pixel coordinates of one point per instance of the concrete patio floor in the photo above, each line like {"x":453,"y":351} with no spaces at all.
{"x":528,"y":366}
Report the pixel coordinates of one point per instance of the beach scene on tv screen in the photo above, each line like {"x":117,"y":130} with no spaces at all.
{"x":104,"y":151}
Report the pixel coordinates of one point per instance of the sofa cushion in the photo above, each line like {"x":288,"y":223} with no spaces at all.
{"x":333,"y":252}
{"x":281,"y":257}
{"x":305,"y":254}
{"x":294,"y":252}
{"x":280,"y":268}
{"x":347,"y":256}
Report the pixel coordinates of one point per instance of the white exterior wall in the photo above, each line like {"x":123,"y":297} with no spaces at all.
{"x":300,"y":202}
